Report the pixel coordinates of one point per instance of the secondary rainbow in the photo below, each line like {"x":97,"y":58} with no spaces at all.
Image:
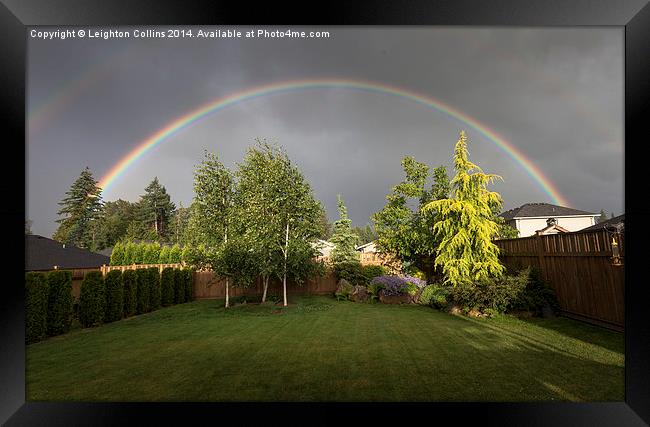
{"x":201,"y":112}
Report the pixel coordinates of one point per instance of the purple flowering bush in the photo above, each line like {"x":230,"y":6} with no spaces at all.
{"x":398,"y":285}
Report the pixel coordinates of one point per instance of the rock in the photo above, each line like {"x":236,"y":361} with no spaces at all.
{"x":454,"y":309}
{"x":360,"y":294}
{"x":474,"y":313}
{"x":394,"y":299}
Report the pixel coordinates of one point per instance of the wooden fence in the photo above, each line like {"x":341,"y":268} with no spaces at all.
{"x":206,"y":286}
{"x":579,"y":267}
{"x":106,"y":268}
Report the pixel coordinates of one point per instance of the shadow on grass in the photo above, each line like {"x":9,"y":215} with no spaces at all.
{"x":596,"y":335}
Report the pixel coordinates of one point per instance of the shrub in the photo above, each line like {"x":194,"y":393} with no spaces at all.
{"x":369,"y":272}
{"x":151,"y":253}
{"x":130,"y":284}
{"x":154,"y":288}
{"x":92,"y":299}
{"x":435,"y":295}
{"x":537,"y":293}
{"x":344,"y":291}
{"x":138,"y":253}
{"x":495,"y":294}
{"x":350,"y":272}
{"x":373,"y":290}
{"x":163,"y":257}
{"x":59,"y":304}
{"x":167,"y":287}
{"x":189,"y":284}
{"x":117,"y":255}
{"x":114,"y":296}
{"x":399,"y":285}
{"x":142,"y":291}
{"x":129,"y":253}
{"x":36,"y":296}
{"x":175,"y":254}
{"x":179,"y":286}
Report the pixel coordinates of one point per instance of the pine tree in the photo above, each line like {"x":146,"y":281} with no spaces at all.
{"x":344,"y":256}
{"x":156,"y":209}
{"x":81,"y":212}
{"x":602,"y":217}
{"x":466,"y":252}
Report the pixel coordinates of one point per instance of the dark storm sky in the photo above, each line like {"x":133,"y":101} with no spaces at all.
{"x":554,"y":93}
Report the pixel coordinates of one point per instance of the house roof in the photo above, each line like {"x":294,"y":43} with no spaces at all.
{"x":542,"y":210}
{"x":367,"y":244}
{"x":42,"y":253}
{"x":550,"y":227}
{"x":610,"y":224}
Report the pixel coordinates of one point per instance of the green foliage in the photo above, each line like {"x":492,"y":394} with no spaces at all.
{"x":175,"y":254}
{"x":373,"y":290}
{"x":142,"y":291}
{"x":188,"y":278}
{"x":369,"y":272}
{"x":138,"y":253}
{"x":154,"y":288}
{"x":466,"y":227}
{"x":344,"y":291}
{"x":59,"y":308}
{"x":435,"y":295}
{"x":130,"y":283}
{"x":411,"y":288}
{"x":496,"y":294}
{"x":405,"y":232}
{"x":179,"y":286}
{"x":117,"y":255}
{"x":167,"y":286}
{"x":163,"y":258}
{"x":365,"y":234}
{"x":150,"y":253}
{"x":344,"y":255}
{"x":114,"y":296}
{"x":129,"y":253}
{"x":537,"y":294}
{"x":81,"y":212}
{"x":155,"y":209}
{"x":92,"y":299}
{"x":36,"y":296}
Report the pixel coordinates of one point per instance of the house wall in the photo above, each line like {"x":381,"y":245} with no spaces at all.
{"x":528,"y":226}
{"x":368,"y":249}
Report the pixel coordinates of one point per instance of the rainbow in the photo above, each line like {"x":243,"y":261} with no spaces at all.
{"x":201,"y":112}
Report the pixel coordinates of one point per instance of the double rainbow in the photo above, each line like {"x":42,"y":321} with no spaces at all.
{"x":201,"y":112}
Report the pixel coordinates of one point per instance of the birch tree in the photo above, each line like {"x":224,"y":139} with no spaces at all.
{"x":212,"y":211}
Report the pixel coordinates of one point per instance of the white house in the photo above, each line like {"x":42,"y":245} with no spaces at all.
{"x":543,"y":218}
{"x":324,"y":247}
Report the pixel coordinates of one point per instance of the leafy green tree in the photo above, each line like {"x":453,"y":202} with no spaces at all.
{"x":115,"y":222}
{"x":130,"y":253}
{"x":344,"y":256}
{"x":81,"y":211}
{"x":151,"y":253}
{"x":212,"y":212}
{"x":138,"y":252}
{"x":175,"y":254}
{"x":365,"y":234}
{"x":155,"y":209}
{"x":281,"y":212}
{"x":92,"y":299}
{"x":403,"y":232}
{"x":466,"y":228}
{"x":178,"y":225}
{"x":163,"y":258}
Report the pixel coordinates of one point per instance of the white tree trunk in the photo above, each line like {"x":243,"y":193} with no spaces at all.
{"x":227,"y":300}
{"x":266,"y":286}
{"x":286,"y":253}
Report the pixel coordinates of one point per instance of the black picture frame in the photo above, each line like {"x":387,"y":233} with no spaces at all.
{"x":633,"y":15}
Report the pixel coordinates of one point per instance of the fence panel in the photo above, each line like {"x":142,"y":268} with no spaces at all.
{"x":579,"y":268}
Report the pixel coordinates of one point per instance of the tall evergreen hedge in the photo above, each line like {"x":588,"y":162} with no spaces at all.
{"x":154,"y":288}
{"x":92,"y":299}
{"x":179,"y":286}
{"x":130,"y":292}
{"x":167,"y":286}
{"x":36,"y":296}
{"x":59,"y":303}
{"x":189,"y":284}
{"x":142,"y":292}
{"x":114,"y":296}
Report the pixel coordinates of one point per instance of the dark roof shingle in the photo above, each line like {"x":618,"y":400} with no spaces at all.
{"x":541,"y":209}
{"x":42,"y":253}
{"x":609,"y":224}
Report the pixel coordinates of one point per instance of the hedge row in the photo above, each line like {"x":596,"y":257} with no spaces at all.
{"x":49,"y":301}
{"x":127,"y":253}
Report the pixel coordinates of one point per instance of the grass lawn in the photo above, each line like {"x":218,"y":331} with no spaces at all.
{"x":319,"y":349}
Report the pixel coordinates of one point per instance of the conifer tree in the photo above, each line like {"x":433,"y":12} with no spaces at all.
{"x":156,"y":209}
{"x":81,"y":211}
{"x":344,"y":256}
{"x":466,"y":227}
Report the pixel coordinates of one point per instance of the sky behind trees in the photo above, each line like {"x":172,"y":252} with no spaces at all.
{"x":556,"y":94}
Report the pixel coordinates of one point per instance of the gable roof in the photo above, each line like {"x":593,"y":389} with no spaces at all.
{"x":367,"y":244}
{"x":42,"y":253}
{"x":551,"y":227}
{"x":610,"y":224}
{"x":543,"y":210}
